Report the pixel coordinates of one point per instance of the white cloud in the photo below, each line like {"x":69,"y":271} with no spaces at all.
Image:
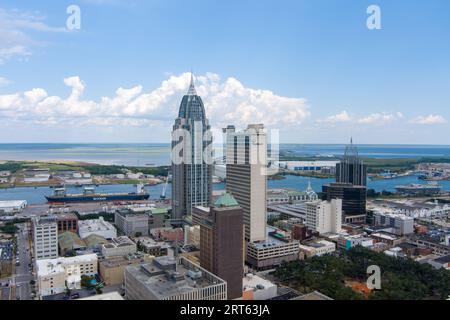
{"x":380,"y":118}
{"x":14,"y":39}
{"x":226,"y":102}
{"x":429,"y":120}
{"x":337,"y":118}
{"x":4,"y":82}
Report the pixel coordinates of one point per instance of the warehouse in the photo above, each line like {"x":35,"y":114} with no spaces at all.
{"x":12,"y":207}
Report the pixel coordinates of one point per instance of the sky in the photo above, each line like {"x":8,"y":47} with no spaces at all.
{"x":311,"y":69}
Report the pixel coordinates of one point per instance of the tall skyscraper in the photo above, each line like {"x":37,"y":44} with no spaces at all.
{"x":191,"y":156}
{"x":351,"y":169}
{"x":222,"y":241}
{"x":246,"y":177}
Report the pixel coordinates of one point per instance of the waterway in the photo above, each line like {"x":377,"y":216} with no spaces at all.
{"x":37,"y":195}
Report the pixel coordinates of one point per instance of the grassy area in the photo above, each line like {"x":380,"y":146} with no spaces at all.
{"x":95,"y":169}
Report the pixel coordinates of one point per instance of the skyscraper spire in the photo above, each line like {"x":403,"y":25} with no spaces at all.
{"x":192,"y":91}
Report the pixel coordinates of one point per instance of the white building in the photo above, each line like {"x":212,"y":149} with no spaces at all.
{"x":400,"y":223}
{"x":324,"y":216}
{"x":192,"y":235}
{"x":99,"y":227}
{"x":257,"y":288}
{"x":11,"y":207}
{"x":5,"y":173}
{"x":121,"y":246}
{"x":318,"y":248}
{"x":309,"y":165}
{"x":54,"y":275}
{"x":45,"y":238}
{"x":246,"y":177}
{"x":105,"y":296}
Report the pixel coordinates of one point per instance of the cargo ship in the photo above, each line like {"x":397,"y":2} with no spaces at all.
{"x":89,"y":195}
{"x":419,"y":188}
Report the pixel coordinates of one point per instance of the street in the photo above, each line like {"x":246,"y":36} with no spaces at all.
{"x":23,"y":273}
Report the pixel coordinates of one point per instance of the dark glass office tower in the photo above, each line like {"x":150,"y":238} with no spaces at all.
{"x":191,"y":148}
{"x":351,"y":169}
{"x":353,"y":199}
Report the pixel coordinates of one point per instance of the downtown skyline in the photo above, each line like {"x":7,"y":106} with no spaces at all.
{"x":126,"y":87}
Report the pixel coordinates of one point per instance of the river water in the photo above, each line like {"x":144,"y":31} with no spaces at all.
{"x":36,"y":195}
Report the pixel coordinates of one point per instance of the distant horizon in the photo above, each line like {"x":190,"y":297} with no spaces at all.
{"x":281,"y":143}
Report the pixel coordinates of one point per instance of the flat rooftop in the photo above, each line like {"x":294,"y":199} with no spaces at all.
{"x":12,"y":203}
{"x":94,"y":225}
{"x":271,"y":241}
{"x":256,"y":282}
{"x":160,"y":278}
{"x":444,"y":259}
{"x":58,"y":265}
{"x":105,"y":296}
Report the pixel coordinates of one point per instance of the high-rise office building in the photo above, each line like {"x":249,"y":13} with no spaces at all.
{"x":324,"y":216}
{"x":353,"y":199}
{"x":246,"y":177}
{"x":351,"y":169}
{"x":222,"y":241}
{"x":191,"y":156}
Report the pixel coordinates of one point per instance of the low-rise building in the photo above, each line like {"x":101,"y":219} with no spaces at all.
{"x":55,"y":275}
{"x":12,"y":207}
{"x":257,"y":288}
{"x":96,"y":226}
{"x":399,"y":223}
{"x":271,"y":252}
{"x":120,"y":246}
{"x":308,"y":166}
{"x":317,"y":248}
{"x":36,"y":175}
{"x":67,"y":222}
{"x":105,"y":296}
{"x":313,"y":296}
{"x":349,"y":241}
{"x":385,"y":237}
{"x":95,"y":242}
{"x":168,"y":234}
{"x":112,"y":269}
{"x":284,"y":196}
{"x":168,"y":278}
{"x":152,"y":247}
{"x":69,"y":242}
{"x":441,"y":262}
{"x":132,"y":223}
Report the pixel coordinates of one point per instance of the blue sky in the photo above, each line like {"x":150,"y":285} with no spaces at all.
{"x":309,"y":68}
